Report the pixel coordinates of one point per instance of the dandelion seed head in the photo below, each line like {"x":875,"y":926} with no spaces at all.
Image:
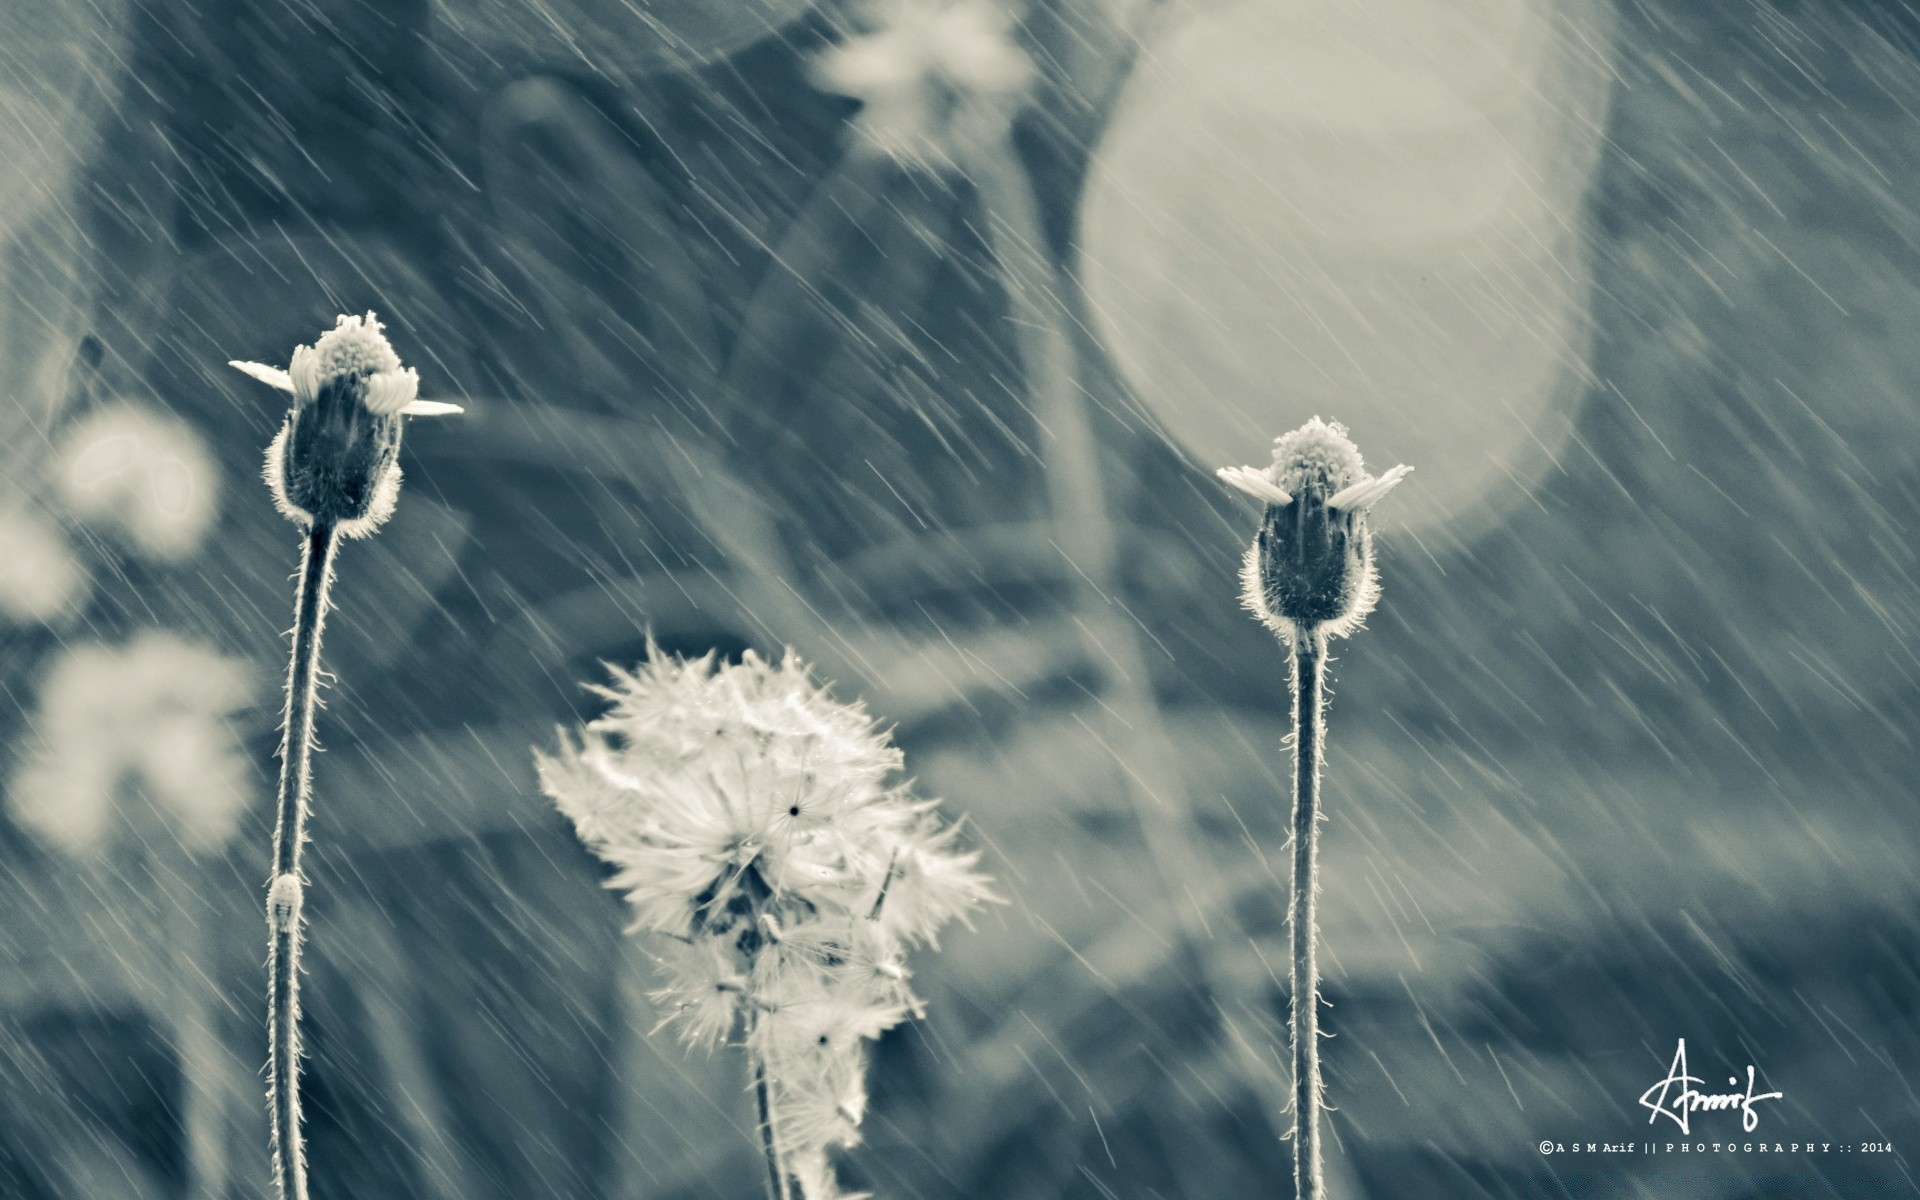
{"x":720,"y":760}
{"x":812,"y":1037}
{"x":146,"y":475}
{"x":702,"y":987}
{"x":752,"y":821}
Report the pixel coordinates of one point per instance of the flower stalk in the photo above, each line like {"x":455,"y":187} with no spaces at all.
{"x":1310,"y":577}
{"x":286,"y":894}
{"x":778,"y":1186}
{"x":333,"y":471}
{"x":1309,"y":736}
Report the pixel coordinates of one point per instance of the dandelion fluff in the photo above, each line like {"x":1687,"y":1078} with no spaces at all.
{"x":754,"y":822}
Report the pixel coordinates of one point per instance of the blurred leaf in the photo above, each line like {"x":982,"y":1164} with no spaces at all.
{"x":593,"y":236}
{"x":617,"y":40}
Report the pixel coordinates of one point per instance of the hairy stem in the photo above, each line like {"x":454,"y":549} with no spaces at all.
{"x":1309,"y":711}
{"x":777,"y":1185}
{"x":285,"y":893}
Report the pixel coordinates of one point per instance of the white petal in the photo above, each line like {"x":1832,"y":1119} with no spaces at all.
{"x":431,"y":408}
{"x":304,"y":369}
{"x":390,"y":391}
{"x":869,"y":66}
{"x":271,"y":376}
{"x":1254,"y":482}
{"x":1364,"y":495}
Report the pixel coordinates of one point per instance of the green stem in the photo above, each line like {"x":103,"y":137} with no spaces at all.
{"x":1309,"y":734}
{"x":285,"y":894}
{"x":207,"y":1067}
{"x":777,"y":1185}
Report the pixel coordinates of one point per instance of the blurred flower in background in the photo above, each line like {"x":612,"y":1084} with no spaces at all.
{"x":39,"y":576}
{"x":151,"y":720}
{"x":143,"y":475}
{"x":935,"y":79}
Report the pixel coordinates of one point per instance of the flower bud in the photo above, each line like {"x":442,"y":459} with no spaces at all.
{"x":1311,"y":566}
{"x":336,"y":460}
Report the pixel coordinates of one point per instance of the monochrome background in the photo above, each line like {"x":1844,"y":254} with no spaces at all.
{"x":1627,"y":755}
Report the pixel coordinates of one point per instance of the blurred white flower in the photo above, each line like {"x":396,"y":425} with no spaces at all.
{"x":149,"y":718}
{"x":39,"y":576}
{"x":934,"y":78}
{"x":751,"y":820}
{"x":145,"y":474}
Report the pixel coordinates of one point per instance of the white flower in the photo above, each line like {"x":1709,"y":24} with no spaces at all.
{"x":1311,"y":566}
{"x":144,"y":473}
{"x":150,"y":718}
{"x":753,"y":821}
{"x":933,"y":78}
{"x":39,"y":576}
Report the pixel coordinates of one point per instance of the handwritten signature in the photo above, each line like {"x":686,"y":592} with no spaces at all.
{"x":1676,"y":1099}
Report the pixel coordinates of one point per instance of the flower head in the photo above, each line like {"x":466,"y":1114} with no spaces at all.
{"x":1311,"y":566}
{"x":148,"y":475}
{"x":934,"y":77}
{"x":753,"y":821}
{"x":336,"y":458}
{"x":150,"y":718}
{"x":39,"y":576}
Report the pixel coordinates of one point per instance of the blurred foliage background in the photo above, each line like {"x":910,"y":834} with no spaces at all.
{"x":1627,"y":755}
